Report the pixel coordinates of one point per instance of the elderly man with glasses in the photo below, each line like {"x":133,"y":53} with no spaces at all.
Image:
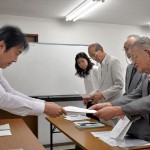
{"x":137,"y":103}
{"x":133,"y":77}
{"x":110,"y":76}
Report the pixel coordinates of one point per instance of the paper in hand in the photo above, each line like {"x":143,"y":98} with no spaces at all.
{"x":78,"y":109}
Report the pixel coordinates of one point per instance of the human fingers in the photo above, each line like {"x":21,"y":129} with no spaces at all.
{"x":63,"y":112}
{"x":94,"y":107}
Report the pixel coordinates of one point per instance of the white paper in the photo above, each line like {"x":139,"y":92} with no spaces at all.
{"x":126,"y":143}
{"x":130,"y":142}
{"x":120,"y":129}
{"x":76,"y":117}
{"x":104,"y":136}
{"x":78,"y":109}
{"x":5,"y":133}
{"x":5,"y":127}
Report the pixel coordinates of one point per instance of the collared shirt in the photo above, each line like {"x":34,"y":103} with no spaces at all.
{"x":104,"y":60}
{"x":101,"y":65}
{"x":16,"y":102}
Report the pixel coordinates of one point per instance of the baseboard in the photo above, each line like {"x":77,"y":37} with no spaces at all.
{"x":58,"y":144}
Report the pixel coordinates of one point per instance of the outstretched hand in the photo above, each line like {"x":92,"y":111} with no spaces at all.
{"x":109,"y":112}
{"x":100,"y":106}
{"x":53,"y":110}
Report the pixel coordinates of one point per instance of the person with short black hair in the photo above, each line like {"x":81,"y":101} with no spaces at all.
{"x":12,"y":43}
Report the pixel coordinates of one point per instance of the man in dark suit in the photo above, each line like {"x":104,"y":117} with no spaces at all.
{"x":137,"y":103}
{"x":132,"y":78}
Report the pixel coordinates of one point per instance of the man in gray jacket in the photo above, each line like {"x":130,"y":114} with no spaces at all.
{"x":133,"y":77}
{"x":137,"y":103}
{"x":110,"y":78}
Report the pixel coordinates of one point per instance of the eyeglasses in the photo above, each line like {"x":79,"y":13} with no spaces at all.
{"x":134,"y":57}
{"x":93,"y":56}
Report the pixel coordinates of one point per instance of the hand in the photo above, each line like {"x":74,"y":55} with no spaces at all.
{"x":108,"y":113}
{"x":85,"y":101}
{"x":96,"y":97}
{"x":53,"y":110}
{"x":100,"y":106}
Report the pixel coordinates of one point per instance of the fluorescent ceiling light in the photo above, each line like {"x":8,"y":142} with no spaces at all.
{"x":82,"y":9}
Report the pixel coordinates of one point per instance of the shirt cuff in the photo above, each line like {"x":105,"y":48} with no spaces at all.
{"x":38,"y":108}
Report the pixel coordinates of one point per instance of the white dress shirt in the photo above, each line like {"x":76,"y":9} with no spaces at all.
{"x":91,"y":80}
{"x":16,"y":102}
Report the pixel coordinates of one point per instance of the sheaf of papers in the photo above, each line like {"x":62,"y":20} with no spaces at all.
{"x":5,"y":130}
{"x":104,"y":136}
{"x":76,"y":117}
{"x":126,"y":143}
{"x":4,"y":127}
{"x":78,"y":109}
{"x":130,"y":143}
{"x":120,"y":129}
{"x":5,"y":133}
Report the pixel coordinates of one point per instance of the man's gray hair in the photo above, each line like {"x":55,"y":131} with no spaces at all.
{"x":134,"y":35}
{"x":142,"y":43}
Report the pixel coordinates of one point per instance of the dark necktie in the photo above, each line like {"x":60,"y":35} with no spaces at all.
{"x":132,"y":74}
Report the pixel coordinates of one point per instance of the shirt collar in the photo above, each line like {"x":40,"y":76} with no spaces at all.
{"x":104,"y":60}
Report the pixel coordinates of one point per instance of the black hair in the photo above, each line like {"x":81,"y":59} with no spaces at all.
{"x":83,"y":72}
{"x":13,"y":36}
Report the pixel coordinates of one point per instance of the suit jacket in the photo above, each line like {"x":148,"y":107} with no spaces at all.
{"x":110,"y":78}
{"x":130,"y":85}
{"x":137,"y":103}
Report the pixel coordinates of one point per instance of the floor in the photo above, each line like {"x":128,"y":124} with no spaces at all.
{"x":66,"y":147}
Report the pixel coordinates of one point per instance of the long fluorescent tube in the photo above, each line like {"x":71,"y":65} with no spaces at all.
{"x":84,"y":8}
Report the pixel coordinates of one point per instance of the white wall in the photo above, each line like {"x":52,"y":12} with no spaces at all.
{"x":110,"y":36}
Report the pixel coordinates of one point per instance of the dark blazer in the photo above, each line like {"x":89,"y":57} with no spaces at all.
{"x":137,"y":103}
{"x":130,"y":85}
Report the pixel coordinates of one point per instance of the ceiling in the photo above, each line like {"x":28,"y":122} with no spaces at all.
{"x":128,"y":12}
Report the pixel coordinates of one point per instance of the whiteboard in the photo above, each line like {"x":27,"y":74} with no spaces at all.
{"x":46,"y":69}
